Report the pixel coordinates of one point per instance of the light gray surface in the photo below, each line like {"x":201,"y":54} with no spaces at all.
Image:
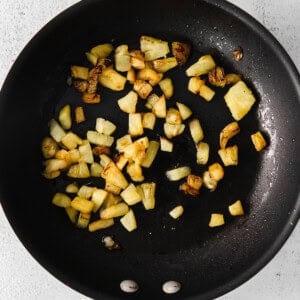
{"x":21,"y":277}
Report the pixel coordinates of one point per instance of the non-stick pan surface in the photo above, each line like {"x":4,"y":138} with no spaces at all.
{"x":208,"y":262}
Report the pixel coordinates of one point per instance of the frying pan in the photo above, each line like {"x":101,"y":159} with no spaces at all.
{"x":208,"y":262}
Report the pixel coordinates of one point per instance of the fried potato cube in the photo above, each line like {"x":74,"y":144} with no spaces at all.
{"x":111,"y":188}
{"x":149,"y":120}
{"x":121,"y":161}
{"x":194,"y":84}
{"x":216,"y":171}
{"x":176,"y":212}
{"x":98,"y":197}
{"x":216,"y":77}
{"x":153,"y":48}
{"x":209,"y":182}
{"x":185,"y":112}
{"x":105,"y":127}
{"x":196,"y":130}
{"x":91,"y":98}
{"x":112,"y":174}
{"x":128,"y":221}
{"x":56,"y":131}
{"x":79,"y":114}
{"x":52,"y":165}
{"x":143,"y":88}
{"x":96,"y":169}
{"x":111,"y":79}
{"x":71,"y":140}
{"x":194,"y":181}
{"x":173,"y":116}
{"x":151,"y":99}
{"x":137,"y":59}
{"x":135,"y":125}
{"x":83,"y":220}
{"x":166,"y":145}
{"x":167,"y":87}
{"x":188,"y":190}
{"x":236,"y":208}
{"x":114,"y":211}
{"x":72,"y":188}
{"x":102,"y":50}
{"x":100,"y":139}
{"x":181,"y":51}
{"x":178,"y":173}
{"x":100,"y":224}
{"x":49,"y":147}
{"x":229,"y":156}
{"x":130,"y":76}
{"x":228,"y":132}
{"x":93,"y":59}
{"x":159,"y":107}
{"x":216,"y":220}
{"x":79,"y":170}
{"x":258,"y":141}
{"x":202,"y":153}
{"x":110,"y":200}
{"x":172,"y":130}
{"x":85,"y":191}
{"x":83,"y":205}
{"x":206,"y":92}
{"x":130,"y":195}
{"x":135,"y":172}
{"x":165,"y":64}
{"x":86,"y":153}
{"x":148,"y":195}
{"x":150,"y":75}
{"x":61,"y":200}
{"x":128,"y":103}
{"x":122,"y":58}
{"x":232,"y":78}
{"x":64,"y":117}
{"x":71,"y":213}
{"x":239,"y":99}
{"x":150,"y":154}
{"x":79,"y":72}
{"x":202,"y":66}
{"x":123,"y":142}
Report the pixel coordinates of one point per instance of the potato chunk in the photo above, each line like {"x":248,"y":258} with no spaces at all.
{"x":229,"y":156}
{"x":176,"y":212}
{"x":153,"y":48}
{"x":181,"y":51}
{"x":130,"y":195}
{"x":236,"y":209}
{"x":258,"y":141}
{"x":202,"y":66}
{"x":128,"y":102}
{"x":111,"y":79}
{"x":129,"y":221}
{"x":228,"y":132}
{"x":216,"y":220}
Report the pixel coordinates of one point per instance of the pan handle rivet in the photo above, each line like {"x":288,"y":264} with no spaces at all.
{"x":129,"y":286}
{"x":171,"y":287}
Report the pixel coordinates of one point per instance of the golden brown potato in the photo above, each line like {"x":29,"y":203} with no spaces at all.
{"x":181,"y":51}
{"x":216,"y":77}
{"x":79,"y":114}
{"x":187,"y":189}
{"x":258,"y":141}
{"x":229,"y":131}
{"x":143,"y":88}
{"x":91,"y":98}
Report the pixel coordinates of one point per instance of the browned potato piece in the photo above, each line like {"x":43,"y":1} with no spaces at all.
{"x":131,"y":76}
{"x":153,"y":48}
{"x":93,"y":79}
{"x":137,"y":59}
{"x":228,"y":132}
{"x":80,"y":85}
{"x":232,"y":78}
{"x":111,"y":79}
{"x":98,"y":150}
{"x":79,"y":72}
{"x":194,"y":181}
{"x":187,"y":189}
{"x":112,"y":174}
{"x":181,"y":51}
{"x":204,"y":64}
{"x":142,"y":88}
{"x":195,"y":84}
{"x":236,"y":209}
{"x":150,"y":75}
{"x":100,"y":224}
{"x":216,"y":171}
{"x":165,"y":64}
{"x":229,"y":156}
{"x":216,"y":77}
{"x":258,"y":141}
{"x":173,"y":116}
{"x":79,"y":114}
{"x":91,"y":98}
{"x":49,"y":147}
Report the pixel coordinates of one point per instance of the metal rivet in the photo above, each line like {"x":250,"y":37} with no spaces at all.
{"x":129,"y":286}
{"x":171,"y":287}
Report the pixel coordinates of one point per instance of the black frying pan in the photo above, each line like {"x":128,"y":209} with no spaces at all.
{"x":208,"y":262}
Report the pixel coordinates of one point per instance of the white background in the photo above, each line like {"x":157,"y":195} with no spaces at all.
{"x":21,"y":277}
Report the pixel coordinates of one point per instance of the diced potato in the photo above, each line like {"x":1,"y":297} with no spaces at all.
{"x":98,"y":150}
{"x":149,"y":120}
{"x":49,"y":147}
{"x":148,"y":195}
{"x":131,"y":76}
{"x":173,"y":116}
{"x":79,"y":170}
{"x":232,"y":78}
{"x":111,"y":200}
{"x":229,"y":156}
{"x":150,"y":154}
{"x":100,"y":139}
{"x":112,"y":174}
{"x":236,"y":209}
{"x":228,"y":132}
{"x":72,"y":214}
{"x":91,"y":98}
{"x":111,"y":79}
{"x":86,"y":153}
{"x":51,"y":175}
{"x":79,"y":72}
{"x":143,"y":88}
{"x":100,"y":224}
{"x":196,"y":130}
{"x":216,"y":220}
{"x":185,"y":112}
{"x":150,"y":75}
{"x":202,"y":66}
{"x":121,"y":161}
{"x":181,"y":51}
{"x":258,"y":141}
{"x":64,"y":117}
{"x":79,"y":114}
{"x":216,"y":171}
{"x":53,"y":164}
{"x":165,"y":64}
{"x":130,"y":195}
{"x":74,"y":156}
{"x":194,"y":181}
{"x":137,"y":59}
{"x":216,"y":77}
{"x":83,"y":205}
{"x":151,"y":100}
{"x":56,"y":131}
{"x":209,"y":182}
{"x":86,"y":191}
{"x":102,"y":50}
{"x":104,"y":160}
{"x":176,"y":212}
{"x":128,"y":102}
{"x":111,"y":188}
{"x":123,"y":142}
{"x":159,"y":107}
{"x":135,"y":125}
{"x":172,"y":130}
{"x":206,"y":92}
{"x":71,"y":140}
{"x":72,"y":188}
{"x":153,"y":48}
{"x":98,"y":197}
{"x":122,"y":58}
{"x":135,"y":172}
{"x":83,"y":220}
{"x":239,"y":99}
{"x":93,"y":79}
{"x":202,"y":153}
{"x":61,"y":200}
{"x":166,"y":85}
{"x":178,"y":173}
{"x":129,"y":221}
{"x":96,"y":169}
{"x":114,"y":211}
{"x":194,"y":84}
{"x":166,"y":145}
{"x":137,"y":150}
{"x":187,"y":189}
{"x":105,"y":127}
{"x":64,"y":155}
{"x":93,"y":59}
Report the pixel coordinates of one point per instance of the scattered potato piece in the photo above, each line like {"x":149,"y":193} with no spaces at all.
{"x":150,"y":154}
{"x":86,"y":153}
{"x":83,"y":220}
{"x":194,"y":84}
{"x":93,"y":59}
{"x":239,"y":99}
{"x":56,"y":131}
{"x":202,"y":66}
{"x":206,"y":92}
{"x":123,"y":142}
{"x":165,"y":64}
{"x":194,"y":181}
{"x":128,"y":102}
{"x":72,"y":214}
{"x":135,"y":125}
{"x":232,"y":78}
{"x":202,"y":153}
{"x":72,"y":188}
{"x":91,"y":98}
{"x":178,"y":173}
{"x":137,"y":59}
{"x":100,"y":139}
{"x":61,"y":200}
{"x":111,"y":79}
{"x":166,"y":145}
{"x":79,"y":114}
{"x":112,"y":174}
{"x":121,"y":161}
{"x":172,"y":130}
{"x":64,"y":117}
{"x":52,"y":165}
{"x":71,"y":140}
{"x":96,"y":169}
{"x":228,"y":132}
{"x":105,"y":127}
{"x":135,"y":172}
{"x":83,"y":205}
{"x":258,"y":141}
{"x":98,"y":197}
{"x":102,"y":50}
{"x":229,"y":156}
{"x":79,"y":170}
{"x":151,"y":99}
{"x":111,"y":188}
{"x":130,"y":195}
{"x":86,"y":191}
{"x":148,"y":195}
{"x":209,"y":182}
{"x":216,"y":220}
{"x":114,"y":211}
{"x":176,"y":212}
{"x":104,"y":160}
{"x":185,"y":112}
{"x":149,"y":120}
{"x":100,"y":224}
{"x":143,"y":88}
{"x":159,"y":107}
{"x":49,"y":147}
{"x":187,"y":189}
{"x":173,"y":116}
{"x":236,"y":209}
{"x":153,"y":48}
{"x":150,"y":75}
{"x":131,"y":76}
{"x":122,"y":58}
{"x":196,"y":130}
{"x":128,"y":221}
{"x":79,"y":72}
{"x":216,"y":171}
{"x":181,"y":51}
{"x":216,"y":77}
{"x":167,"y":87}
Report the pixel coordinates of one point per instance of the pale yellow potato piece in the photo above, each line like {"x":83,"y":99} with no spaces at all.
{"x":135,"y":125}
{"x":114,"y":211}
{"x":258,"y":141}
{"x":64,"y":117}
{"x":166,"y":145}
{"x":202,"y":66}
{"x":153,"y":48}
{"x":102,"y":50}
{"x":184,"y":111}
{"x":83,"y":205}
{"x":149,"y":120}
{"x":202,"y":154}
{"x":165,"y":64}
{"x":112,"y":174}
{"x":216,"y":220}
{"x":150,"y":154}
{"x":194,"y":84}
{"x":130,"y":195}
{"x":167,"y":87}
{"x":100,"y":224}
{"x":61,"y":200}
{"x":128,"y":221}
{"x":236,"y":208}
{"x":71,"y":140}
{"x":79,"y":170}
{"x":229,"y":156}
{"x":176,"y":212}
{"x":128,"y":103}
{"x":178,"y":173}
{"x":111,"y":79}
{"x":196,"y":130}
{"x":206,"y":92}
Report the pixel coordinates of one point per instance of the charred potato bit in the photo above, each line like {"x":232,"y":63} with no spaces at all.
{"x":181,"y":51}
{"x":216,"y":77}
{"x":238,"y":54}
{"x":98,"y":150}
{"x":80,"y":85}
{"x":232,"y":78}
{"x":93,"y":79}
{"x":79,"y":114}
{"x":49,"y":147}
{"x":194,"y":181}
{"x":91,"y":98}
{"x":228,"y":132}
{"x":187,"y":189}
{"x":258,"y":141}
